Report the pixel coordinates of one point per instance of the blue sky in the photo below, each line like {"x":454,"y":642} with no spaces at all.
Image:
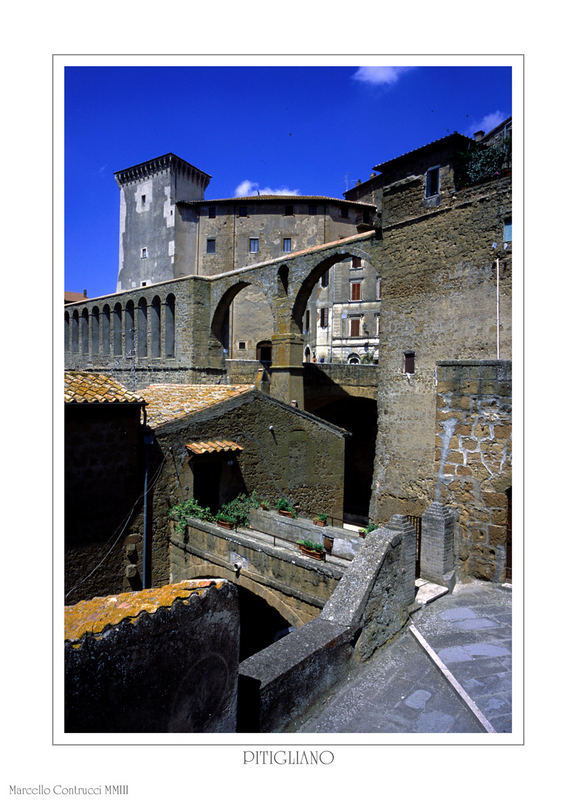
{"x":303,"y":130}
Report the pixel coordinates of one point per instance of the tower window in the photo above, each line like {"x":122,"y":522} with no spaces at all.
{"x":409,"y":363}
{"x":144,"y":252}
{"x":211,"y":245}
{"x":325,"y":279}
{"x":286,"y":245}
{"x":253,"y":245}
{"x":324,"y":317}
{"x":433,"y":182}
{"x":143,"y":199}
{"x":508,"y":231}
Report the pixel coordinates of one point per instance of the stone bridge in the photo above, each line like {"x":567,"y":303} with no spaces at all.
{"x":267,"y":561}
{"x":175,"y":331}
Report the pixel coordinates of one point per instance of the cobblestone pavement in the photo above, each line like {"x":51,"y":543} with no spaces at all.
{"x":401,"y":690}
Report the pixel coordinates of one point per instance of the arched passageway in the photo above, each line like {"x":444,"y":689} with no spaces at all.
{"x":260,"y":623}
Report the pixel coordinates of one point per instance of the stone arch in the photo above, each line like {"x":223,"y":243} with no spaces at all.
{"x":220,"y":327}
{"x":66,"y":331}
{"x":117,"y":330}
{"x":315,"y":273}
{"x":105,"y":330}
{"x":155,"y":327}
{"x":170,"y":325}
{"x":142,"y":328}
{"x":129,"y":330}
{"x":294,"y":617}
{"x":95,"y":331}
{"x":84,"y":340}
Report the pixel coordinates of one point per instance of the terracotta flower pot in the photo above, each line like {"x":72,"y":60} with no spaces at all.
{"x":223,"y":524}
{"x":284,"y":513}
{"x":312,"y":553}
{"x":321,"y":523}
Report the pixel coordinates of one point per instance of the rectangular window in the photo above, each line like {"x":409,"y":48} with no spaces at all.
{"x":243,"y":211}
{"x":433,"y":181}
{"x":508,"y":231}
{"x":289,"y":211}
{"x":286,"y":245}
{"x":356,"y":290}
{"x":324,"y":318}
{"x":409,"y":363}
{"x":355,"y":329}
{"x":307,"y":321}
{"x":212,"y":212}
{"x":253,"y":245}
{"x":211,"y":245}
{"x":242,"y":345}
{"x":357,"y":263}
{"x":143,"y":199}
{"x":325,"y":279}
{"x":144,"y":252}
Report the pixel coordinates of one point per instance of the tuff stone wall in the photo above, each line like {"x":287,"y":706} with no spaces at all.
{"x":302,"y":458}
{"x":159,"y":660}
{"x":439,"y":302}
{"x":473,"y":461}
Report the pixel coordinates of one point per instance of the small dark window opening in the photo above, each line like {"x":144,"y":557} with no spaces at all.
{"x":357,"y":263}
{"x":324,"y":317}
{"x":409,"y":363}
{"x":143,"y":199}
{"x":242,"y":345}
{"x":243,"y":211}
{"x":211,"y":245}
{"x":289,"y":211}
{"x":325,"y":279}
{"x":432,"y":182}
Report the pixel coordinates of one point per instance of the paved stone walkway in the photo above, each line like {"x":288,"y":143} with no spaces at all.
{"x":401,"y":690}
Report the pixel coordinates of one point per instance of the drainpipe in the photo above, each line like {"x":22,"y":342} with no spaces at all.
{"x":498,"y":311}
{"x":146,"y":543}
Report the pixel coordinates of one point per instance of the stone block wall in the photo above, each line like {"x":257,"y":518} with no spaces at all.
{"x":160,"y":660}
{"x":439,"y":302}
{"x":473,"y":443}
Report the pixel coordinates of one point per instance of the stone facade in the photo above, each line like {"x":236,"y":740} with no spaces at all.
{"x":473,"y":462}
{"x":302,"y":457}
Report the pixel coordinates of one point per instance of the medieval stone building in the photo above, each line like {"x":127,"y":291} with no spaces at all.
{"x":414,"y":266}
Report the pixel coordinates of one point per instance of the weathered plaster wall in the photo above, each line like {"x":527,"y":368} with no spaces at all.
{"x":160,"y":660}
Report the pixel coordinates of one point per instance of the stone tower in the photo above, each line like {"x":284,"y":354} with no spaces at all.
{"x":157,"y":238}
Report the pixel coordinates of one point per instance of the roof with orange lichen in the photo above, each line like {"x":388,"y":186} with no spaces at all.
{"x":93,"y":616}
{"x":169,"y":401}
{"x":94,"y":387}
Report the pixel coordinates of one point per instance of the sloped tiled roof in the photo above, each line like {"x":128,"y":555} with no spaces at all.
{"x":216,"y":446}
{"x":94,"y":387}
{"x":95,"y":615}
{"x":169,"y":401}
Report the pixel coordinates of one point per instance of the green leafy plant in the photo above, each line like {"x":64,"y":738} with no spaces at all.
{"x":282,"y":504}
{"x":479,"y":163}
{"x":222,"y":516}
{"x":308,"y":545}
{"x":238,"y":510}
{"x":189,"y":508}
{"x":370,"y":527}
{"x":320,"y":518}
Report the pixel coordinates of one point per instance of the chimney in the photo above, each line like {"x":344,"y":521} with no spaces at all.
{"x":478,"y":136}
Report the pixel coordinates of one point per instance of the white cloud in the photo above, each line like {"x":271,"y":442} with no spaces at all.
{"x":247,"y":188}
{"x":379,"y":76}
{"x":488,"y":122}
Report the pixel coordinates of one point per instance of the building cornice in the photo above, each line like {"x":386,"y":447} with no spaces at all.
{"x":160,"y":164}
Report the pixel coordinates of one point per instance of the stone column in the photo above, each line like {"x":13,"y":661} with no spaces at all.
{"x":287,"y":369}
{"x":438,"y":545}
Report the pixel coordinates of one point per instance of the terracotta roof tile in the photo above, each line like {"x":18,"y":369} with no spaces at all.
{"x":200,"y":448}
{"x":169,"y":401}
{"x":93,"y":616}
{"x":94,"y":387}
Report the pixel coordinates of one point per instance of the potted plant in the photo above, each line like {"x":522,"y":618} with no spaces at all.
{"x":370,"y":527}
{"x":224,"y":520}
{"x":320,"y":520}
{"x":312,"y":549}
{"x":284,"y":507}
